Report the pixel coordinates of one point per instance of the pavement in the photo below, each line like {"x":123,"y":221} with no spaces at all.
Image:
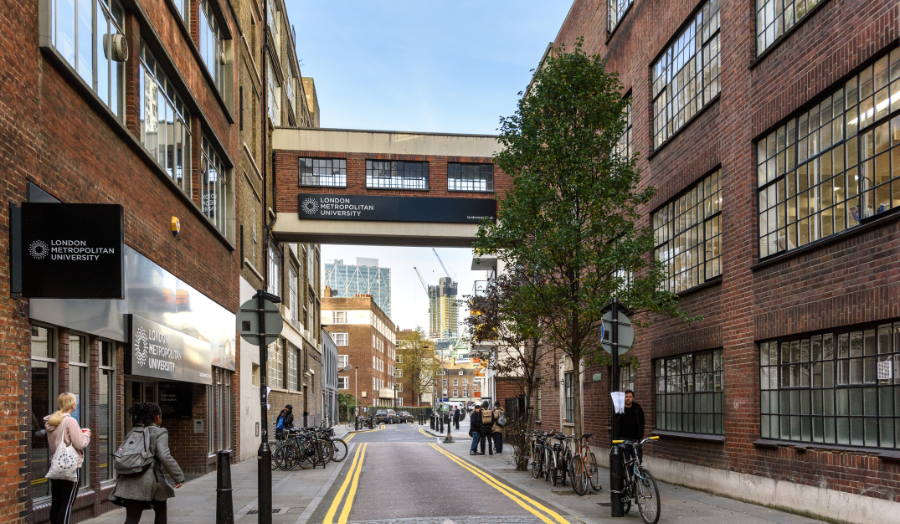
{"x":403,"y":474}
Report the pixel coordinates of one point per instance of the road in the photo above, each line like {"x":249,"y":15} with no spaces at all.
{"x":400,"y":474}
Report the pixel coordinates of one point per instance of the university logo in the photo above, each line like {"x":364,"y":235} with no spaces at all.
{"x":310,"y":206}
{"x":38,"y":250}
{"x":140,"y":347}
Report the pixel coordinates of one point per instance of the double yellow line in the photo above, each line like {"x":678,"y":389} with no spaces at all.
{"x":535,"y":508}
{"x":358,"y":432}
{"x":352,"y":481}
{"x":422,"y":431}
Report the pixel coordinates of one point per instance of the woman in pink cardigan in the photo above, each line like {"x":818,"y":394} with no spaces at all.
{"x":63,"y":428}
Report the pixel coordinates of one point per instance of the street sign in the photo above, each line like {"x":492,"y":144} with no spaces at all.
{"x":626,"y":332}
{"x":248,"y":321}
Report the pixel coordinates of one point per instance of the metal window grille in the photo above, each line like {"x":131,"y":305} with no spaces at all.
{"x":396,"y":174}
{"x":470,"y":177}
{"x":690,"y":393}
{"x":323,"y":172}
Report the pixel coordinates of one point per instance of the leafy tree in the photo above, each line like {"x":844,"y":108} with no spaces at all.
{"x":417,"y":362}
{"x":346,"y":403}
{"x":570,"y":220}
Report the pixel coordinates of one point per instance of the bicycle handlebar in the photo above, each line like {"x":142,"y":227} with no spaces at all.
{"x":632,"y":442}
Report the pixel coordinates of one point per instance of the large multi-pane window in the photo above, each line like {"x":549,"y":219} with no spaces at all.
{"x":82,"y":32}
{"x":44,"y":389}
{"x":212,"y":44}
{"x":106,"y":416}
{"x":215,"y":191}
{"x":396,"y":174}
{"x":325,"y":172}
{"x":470,"y":177}
{"x":623,"y":148}
{"x":690,"y":393}
{"x":275,"y":261}
{"x":626,"y":378}
{"x":774,"y":17}
{"x":165,"y":121}
{"x":834,"y":165}
{"x":275,"y":370}
{"x":617,"y":9}
{"x":686,"y":77}
{"x":293,"y":302}
{"x":79,"y":384}
{"x":340,"y":317}
{"x":341,"y":339}
{"x":184,"y":9}
{"x":840,"y":387}
{"x":291,"y":367}
{"x":569,"y":392}
{"x":688,"y":235}
{"x":274,"y":94}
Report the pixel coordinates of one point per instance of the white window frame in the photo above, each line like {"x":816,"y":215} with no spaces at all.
{"x":341,"y":339}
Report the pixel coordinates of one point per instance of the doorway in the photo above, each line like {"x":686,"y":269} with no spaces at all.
{"x":138,"y":390}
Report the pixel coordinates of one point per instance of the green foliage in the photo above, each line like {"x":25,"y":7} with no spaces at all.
{"x":570,"y":223}
{"x":417,"y":362}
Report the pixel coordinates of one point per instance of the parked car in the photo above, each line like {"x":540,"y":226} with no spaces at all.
{"x":388,"y":416}
{"x":405,"y":416}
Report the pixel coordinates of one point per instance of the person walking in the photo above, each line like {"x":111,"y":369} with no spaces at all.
{"x":631,"y":424}
{"x":456,"y":415}
{"x":498,"y":429}
{"x":63,"y":429}
{"x":150,"y":489}
{"x":475,"y":431}
{"x":487,"y":429}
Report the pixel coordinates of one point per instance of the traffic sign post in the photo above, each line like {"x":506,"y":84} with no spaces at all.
{"x":616,"y":337}
{"x":259,"y":322}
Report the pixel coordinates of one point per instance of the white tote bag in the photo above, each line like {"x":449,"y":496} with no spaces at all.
{"x":64,"y":464}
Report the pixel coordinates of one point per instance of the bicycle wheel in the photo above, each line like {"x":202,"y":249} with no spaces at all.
{"x":564,"y":465}
{"x":647,"y":496}
{"x":326,"y":451}
{"x":278,"y":457}
{"x":553,"y":468}
{"x":579,"y":484}
{"x":306,"y":455}
{"x":536,"y":466}
{"x":594,"y":471}
{"x":340,"y":450}
{"x":547,"y":463}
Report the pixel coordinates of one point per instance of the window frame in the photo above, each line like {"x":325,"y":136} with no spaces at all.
{"x":612,"y":25}
{"x":569,"y":397}
{"x":785,"y":30}
{"x":338,"y":179}
{"x":52,"y":366}
{"x":338,"y":337}
{"x":208,"y":27}
{"x":82,"y":368}
{"x":391,"y":167}
{"x":716,"y":417}
{"x":107,"y":373}
{"x":219,"y":190}
{"x":343,"y":383}
{"x":462,"y":178}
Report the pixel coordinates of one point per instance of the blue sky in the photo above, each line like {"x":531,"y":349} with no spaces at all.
{"x":420,"y":65}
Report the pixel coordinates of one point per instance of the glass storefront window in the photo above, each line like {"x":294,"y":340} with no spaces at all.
{"x":44,"y":390}
{"x":106,"y":426}
{"x":79,"y":384}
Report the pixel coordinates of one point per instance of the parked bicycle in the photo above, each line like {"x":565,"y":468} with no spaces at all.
{"x":583,"y":470}
{"x":640,"y":484}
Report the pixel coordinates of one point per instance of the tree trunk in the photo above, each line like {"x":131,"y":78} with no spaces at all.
{"x":576,"y":398}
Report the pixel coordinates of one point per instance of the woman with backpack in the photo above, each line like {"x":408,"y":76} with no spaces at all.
{"x":499,"y":422}
{"x":63,"y":429}
{"x":147,"y":488}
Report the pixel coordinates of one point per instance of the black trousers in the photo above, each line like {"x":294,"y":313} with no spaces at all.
{"x":62,"y":498}
{"x":134,"y":509}
{"x":486,"y":438}
{"x":456,"y":423}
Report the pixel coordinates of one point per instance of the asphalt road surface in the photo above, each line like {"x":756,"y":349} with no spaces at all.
{"x":399,"y":474}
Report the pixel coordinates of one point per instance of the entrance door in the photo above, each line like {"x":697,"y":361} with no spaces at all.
{"x":137,"y":390}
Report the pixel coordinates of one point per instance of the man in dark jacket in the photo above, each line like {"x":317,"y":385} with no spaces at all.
{"x":456,"y":415}
{"x":288,"y":415}
{"x":475,"y":430}
{"x":631,"y":423}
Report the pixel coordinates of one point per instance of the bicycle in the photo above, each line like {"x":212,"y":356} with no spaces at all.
{"x":585,"y":473}
{"x":537,"y":454}
{"x":640,"y":484}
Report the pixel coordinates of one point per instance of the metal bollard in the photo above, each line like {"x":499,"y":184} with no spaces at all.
{"x":431,"y":422}
{"x":356,"y":423}
{"x":616,"y":481}
{"x":224,"y":503}
{"x":442,"y":425}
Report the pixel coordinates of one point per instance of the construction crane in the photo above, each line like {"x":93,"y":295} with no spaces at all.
{"x":442,"y":263}
{"x":424,"y":286}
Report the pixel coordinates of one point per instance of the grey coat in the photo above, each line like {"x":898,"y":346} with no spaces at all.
{"x":151,"y":484}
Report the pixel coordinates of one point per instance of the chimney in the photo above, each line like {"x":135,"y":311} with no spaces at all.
{"x":326,"y":293}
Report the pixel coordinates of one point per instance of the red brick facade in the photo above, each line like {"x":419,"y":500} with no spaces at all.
{"x":832,"y":284}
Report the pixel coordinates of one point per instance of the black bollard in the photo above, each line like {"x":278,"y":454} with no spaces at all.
{"x":616,"y":481}
{"x":442,"y":424}
{"x":431,"y":422}
{"x":224,"y":503}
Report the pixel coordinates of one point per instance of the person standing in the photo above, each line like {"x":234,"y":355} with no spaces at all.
{"x":150,"y":489}
{"x":498,"y":429}
{"x":63,"y":429}
{"x":456,"y":415}
{"x":475,"y":431}
{"x":487,"y":429}
{"x":285,"y":420}
{"x":631,"y":423}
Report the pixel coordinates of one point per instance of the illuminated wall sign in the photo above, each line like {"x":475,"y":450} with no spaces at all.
{"x":396,"y":209}
{"x":161,"y":352}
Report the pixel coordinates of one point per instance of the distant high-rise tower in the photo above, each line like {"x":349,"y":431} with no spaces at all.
{"x":365,"y":277}
{"x":444,"y":309}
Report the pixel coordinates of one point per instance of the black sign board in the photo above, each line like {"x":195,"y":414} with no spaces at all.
{"x":176,"y":399}
{"x":161,"y":352}
{"x":73,"y":250}
{"x":396,"y":209}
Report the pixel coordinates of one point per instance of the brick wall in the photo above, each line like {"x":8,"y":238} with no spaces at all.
{"x":842,"y":283}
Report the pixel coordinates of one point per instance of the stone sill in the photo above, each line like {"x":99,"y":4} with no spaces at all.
{"x":718,"y":439}
{"x":802,"y":447}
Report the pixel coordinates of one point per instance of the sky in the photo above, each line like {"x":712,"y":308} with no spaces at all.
{"x":453,"y":66}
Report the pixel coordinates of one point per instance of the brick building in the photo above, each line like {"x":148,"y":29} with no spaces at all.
{"x":771,"y":129}
{"x":365,"y":339}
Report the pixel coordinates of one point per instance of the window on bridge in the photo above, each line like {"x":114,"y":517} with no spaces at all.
{"x":470,"y":177}
{"x":324,"y":172}
{"x":387,"y":174}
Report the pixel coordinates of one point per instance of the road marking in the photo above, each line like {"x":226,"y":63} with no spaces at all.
{"x":515,"y":496}
{"x":422,"y":431}
{"x":329,"y":517}
{"x":350,"y":496}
